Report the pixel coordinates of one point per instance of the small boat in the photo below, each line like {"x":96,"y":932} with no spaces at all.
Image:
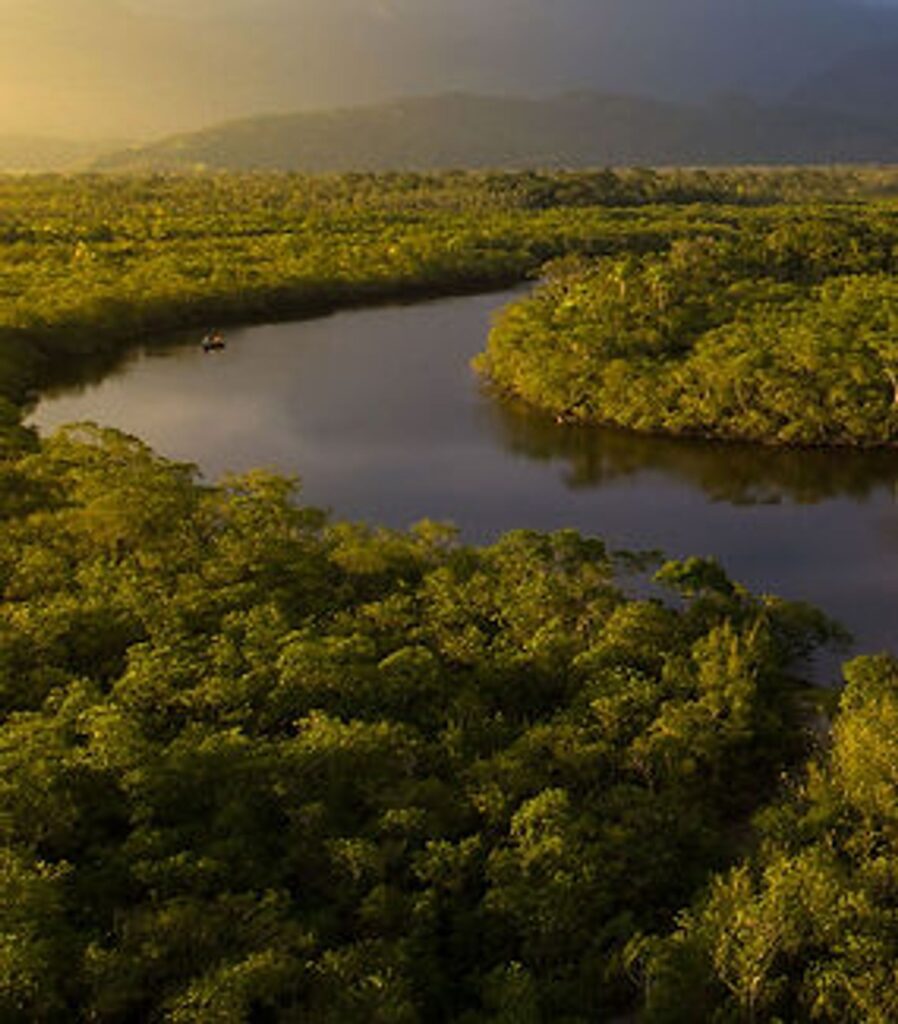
{"x":212,"y":342}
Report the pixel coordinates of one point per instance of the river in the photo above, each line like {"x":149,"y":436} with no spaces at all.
{"x":379,"y":414}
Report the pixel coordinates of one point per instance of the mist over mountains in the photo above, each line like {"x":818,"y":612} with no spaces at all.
{"x":146,"y":68}
{"x":573,"y":130}
{"x":864,"y":84}
{"x":36,"y":153}
{"x":506,"y":83}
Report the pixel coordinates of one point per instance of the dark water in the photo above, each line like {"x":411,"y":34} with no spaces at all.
{"x":379,"y":414}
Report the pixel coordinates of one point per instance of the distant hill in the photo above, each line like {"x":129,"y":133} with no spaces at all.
{"x":467,"y":131}
{"x":864,"y":85}
{"x":27,"y":153}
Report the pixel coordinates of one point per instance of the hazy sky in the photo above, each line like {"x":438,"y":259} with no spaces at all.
{"x":144,"y":67}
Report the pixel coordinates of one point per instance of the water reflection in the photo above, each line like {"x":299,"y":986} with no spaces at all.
{"x":75,"y":375}
{"x":737,"y":473}
{"x":740,"y":474}
{"x":380,"y":415}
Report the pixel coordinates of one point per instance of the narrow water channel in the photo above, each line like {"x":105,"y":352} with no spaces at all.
{"x":379,"y":414}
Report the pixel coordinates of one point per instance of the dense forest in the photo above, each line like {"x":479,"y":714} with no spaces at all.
{"x":806,"y":928}
{"x":777,"y":327}
{"x":736,"y":304}
{"x":89,"y":263}
{"x":256,"y":765}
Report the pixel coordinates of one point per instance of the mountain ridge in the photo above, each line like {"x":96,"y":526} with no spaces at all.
{"x":466,"y":130}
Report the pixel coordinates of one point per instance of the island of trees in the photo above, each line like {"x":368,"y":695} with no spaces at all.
{"x":259,"y":766}
{"x":775,"y":327}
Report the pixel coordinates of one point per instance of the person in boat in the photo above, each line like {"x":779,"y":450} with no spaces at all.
{"x":212,"y":340}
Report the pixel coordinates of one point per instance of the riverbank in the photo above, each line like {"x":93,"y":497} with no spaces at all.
{"x":378,"y":414}
{"x":93,"y":264}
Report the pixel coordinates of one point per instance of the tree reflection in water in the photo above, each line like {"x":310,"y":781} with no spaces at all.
{"x":742,"y":474}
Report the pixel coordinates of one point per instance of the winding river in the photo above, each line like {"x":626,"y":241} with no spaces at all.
{"x":380,"y":415}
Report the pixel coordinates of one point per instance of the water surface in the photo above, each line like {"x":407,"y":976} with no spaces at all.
{"x":380,"y":415}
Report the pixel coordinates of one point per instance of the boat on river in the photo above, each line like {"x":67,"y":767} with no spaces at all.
{"x":213,"y":341}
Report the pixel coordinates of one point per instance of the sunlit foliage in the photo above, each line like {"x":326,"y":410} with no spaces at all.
{"x":259,"y":766}
{"x":253,"y":763}
{"x":781,"y":328}
{"x":806,"y":929}
{"x":89,"y":263}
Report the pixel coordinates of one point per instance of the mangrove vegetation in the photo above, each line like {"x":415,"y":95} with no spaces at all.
{"x":88,"y":263}
{"x":779,"y":326}
{"x":256,"y":765}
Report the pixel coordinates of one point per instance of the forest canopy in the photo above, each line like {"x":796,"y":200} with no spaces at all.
{"x":782,"y":330}
{"x":256,"y":765}
{"x":89,"y":264}
{"x":805,"y":929}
